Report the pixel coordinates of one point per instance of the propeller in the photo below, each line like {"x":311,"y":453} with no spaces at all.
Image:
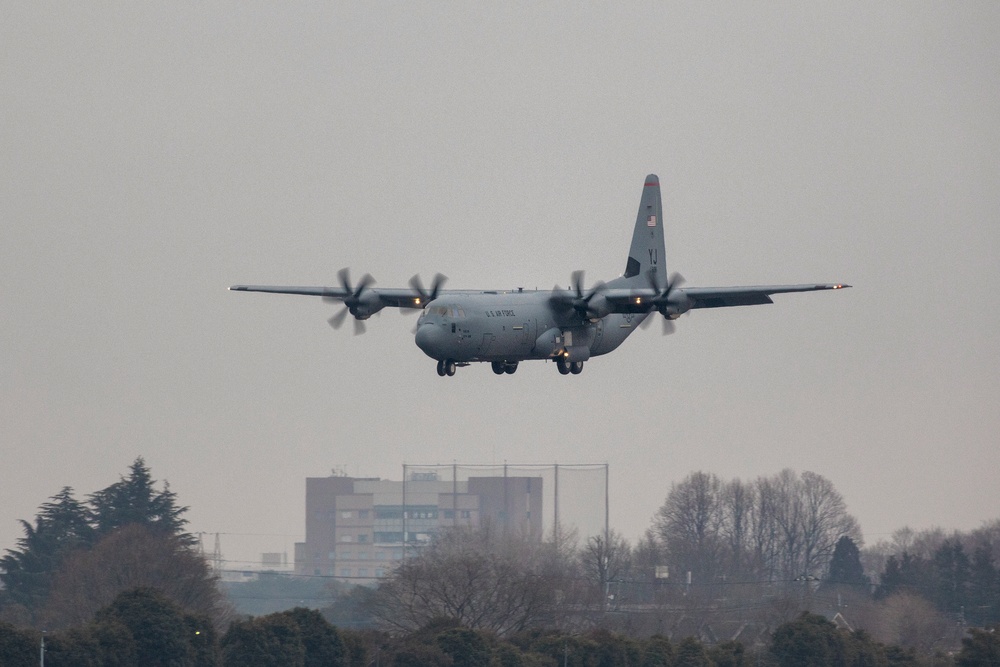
{"x":425,"y":296}
{"x":351,"y":301}
{"x":662,"y":301}
{"x":578,"y":300}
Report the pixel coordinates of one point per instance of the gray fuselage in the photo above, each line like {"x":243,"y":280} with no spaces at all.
{"x":514,"y":326}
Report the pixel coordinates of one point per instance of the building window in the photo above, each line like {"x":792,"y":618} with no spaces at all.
{"x":317,"y":572}
{"x":362,"y":514}
{"x":379,"y":572}
{"x":332,"y":556}
{"x":346,"y":538}
{"x":449,"y":514}
{"x":345,"y":514}
{"x":466,"y":514}
{"x":345,"y":571}
{"x":363,"y":539}
{"x":363,"y":572}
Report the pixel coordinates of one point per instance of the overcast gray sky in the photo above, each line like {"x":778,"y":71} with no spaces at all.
{"x":151,"y":155}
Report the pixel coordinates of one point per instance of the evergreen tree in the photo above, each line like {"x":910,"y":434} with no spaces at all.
{"x":891,"y":580}
{"x":134,"y":499}
{"x":908,"y":573}
{"x":984,"y":594}
{"x":951,"y":576}
{"x":269,"y":641}
{"x":465,"y":647}
{"x":845,"y":566}
{"x":728,"y":654}
{"x":657,"y":652}
{"x":691,"y":653}
{"x":320,"y":640}
{"x":157,"y":626}
{"x":61,"y":527}
{"x":809,"y":641}
{"x":980,"y":649}
{"x":17,"y":647}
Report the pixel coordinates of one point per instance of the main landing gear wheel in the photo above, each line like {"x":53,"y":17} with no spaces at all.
{"x":576,"y":367}
{"x":446,"y":367}
{"x":563,"y":366}
{"x":501,"y":367}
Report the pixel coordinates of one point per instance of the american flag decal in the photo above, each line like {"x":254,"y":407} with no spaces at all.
{"x":651,"y":221}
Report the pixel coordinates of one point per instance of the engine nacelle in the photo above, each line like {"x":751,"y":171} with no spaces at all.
{"x":676,"y":305}
{"x":598,"y":307}
{"x":364,"y":307}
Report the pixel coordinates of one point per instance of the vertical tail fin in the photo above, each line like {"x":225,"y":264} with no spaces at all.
{"x":647,"y":252}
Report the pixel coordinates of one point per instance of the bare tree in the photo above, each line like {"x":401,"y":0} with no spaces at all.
{"x":788,"y":517}
{"x":910,"y":620}
{"x":764,"y":537}
{"x":689,"y":523}
{"x":737,"y":511}
{"x":481,"y":578}
{"x":128,"y":558}
{"x":779,"y":528}
{"x":824,"y":521}
{"x":605,"y":563}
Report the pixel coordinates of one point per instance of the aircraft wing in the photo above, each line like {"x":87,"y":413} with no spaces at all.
{"x":393,"y":297}
{"x":625,"y":300}
{"x":719,"y":297}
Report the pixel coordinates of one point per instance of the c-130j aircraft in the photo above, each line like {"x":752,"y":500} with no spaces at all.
{"x":504,"y":328}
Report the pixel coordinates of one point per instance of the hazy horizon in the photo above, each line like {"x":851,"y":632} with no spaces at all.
{"x":155,"y":154}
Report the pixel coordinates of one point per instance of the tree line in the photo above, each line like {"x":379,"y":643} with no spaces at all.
{"x":143,"y":627}
{"x":723,"y":566}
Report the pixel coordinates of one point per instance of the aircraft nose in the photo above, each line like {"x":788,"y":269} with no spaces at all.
{"x":429,"y":338}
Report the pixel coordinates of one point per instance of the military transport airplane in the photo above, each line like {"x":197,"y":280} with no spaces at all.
{"x":505,"y":327}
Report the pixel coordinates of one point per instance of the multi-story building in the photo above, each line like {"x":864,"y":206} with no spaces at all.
{"x":358,"y":528}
